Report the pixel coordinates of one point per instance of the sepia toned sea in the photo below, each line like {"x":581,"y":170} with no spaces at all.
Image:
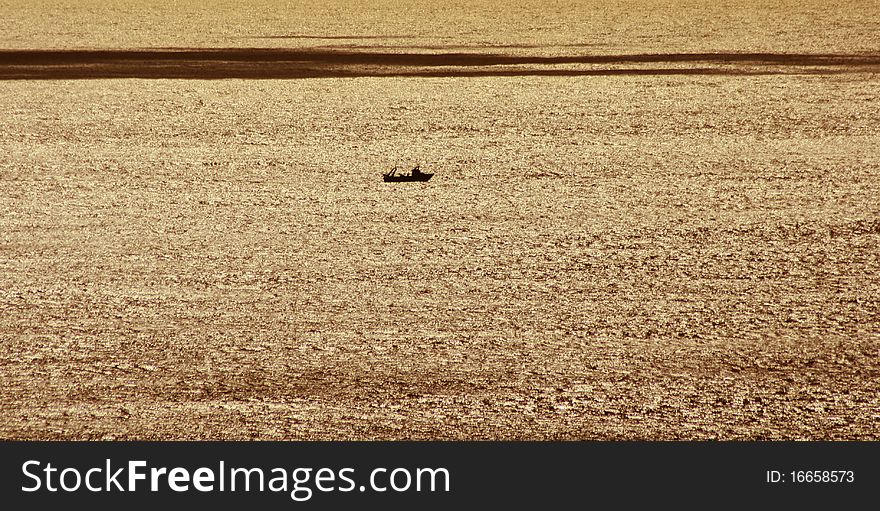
{"x":648,"y":220}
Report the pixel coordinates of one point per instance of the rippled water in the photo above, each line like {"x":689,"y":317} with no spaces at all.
{"x":613,"y":251}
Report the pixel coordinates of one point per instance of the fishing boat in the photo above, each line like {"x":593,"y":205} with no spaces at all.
{"x":415,"y":174}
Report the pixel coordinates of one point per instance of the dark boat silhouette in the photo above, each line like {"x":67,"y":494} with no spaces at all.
{"x":415,"y":174}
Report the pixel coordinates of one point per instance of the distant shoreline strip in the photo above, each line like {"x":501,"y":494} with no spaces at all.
{"x":269,"y":63}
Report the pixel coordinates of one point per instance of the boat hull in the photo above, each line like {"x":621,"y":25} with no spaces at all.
{"x":405,"y":179}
